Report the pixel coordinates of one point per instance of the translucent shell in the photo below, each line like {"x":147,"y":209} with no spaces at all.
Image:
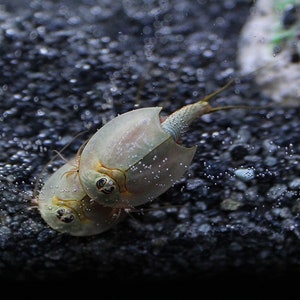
{"x":65,"y":206}
{"x":131,"y":160}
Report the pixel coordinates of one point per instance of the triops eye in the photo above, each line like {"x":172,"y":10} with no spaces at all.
{"x":65,"y":215}
{"x":105,"y":186}
{"x":101,"y":183}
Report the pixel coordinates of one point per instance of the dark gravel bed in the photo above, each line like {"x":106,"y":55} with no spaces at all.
{"x":69,"y":67}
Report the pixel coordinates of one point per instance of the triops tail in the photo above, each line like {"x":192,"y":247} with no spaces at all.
{"x":179,"y":121}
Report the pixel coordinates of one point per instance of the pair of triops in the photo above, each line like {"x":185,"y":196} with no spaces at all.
{"x":128,"y":162}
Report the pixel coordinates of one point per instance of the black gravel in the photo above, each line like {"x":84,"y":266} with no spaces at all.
{"x":70,"y":66}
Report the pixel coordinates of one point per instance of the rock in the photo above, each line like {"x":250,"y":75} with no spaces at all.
{"x":275,"y":68}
